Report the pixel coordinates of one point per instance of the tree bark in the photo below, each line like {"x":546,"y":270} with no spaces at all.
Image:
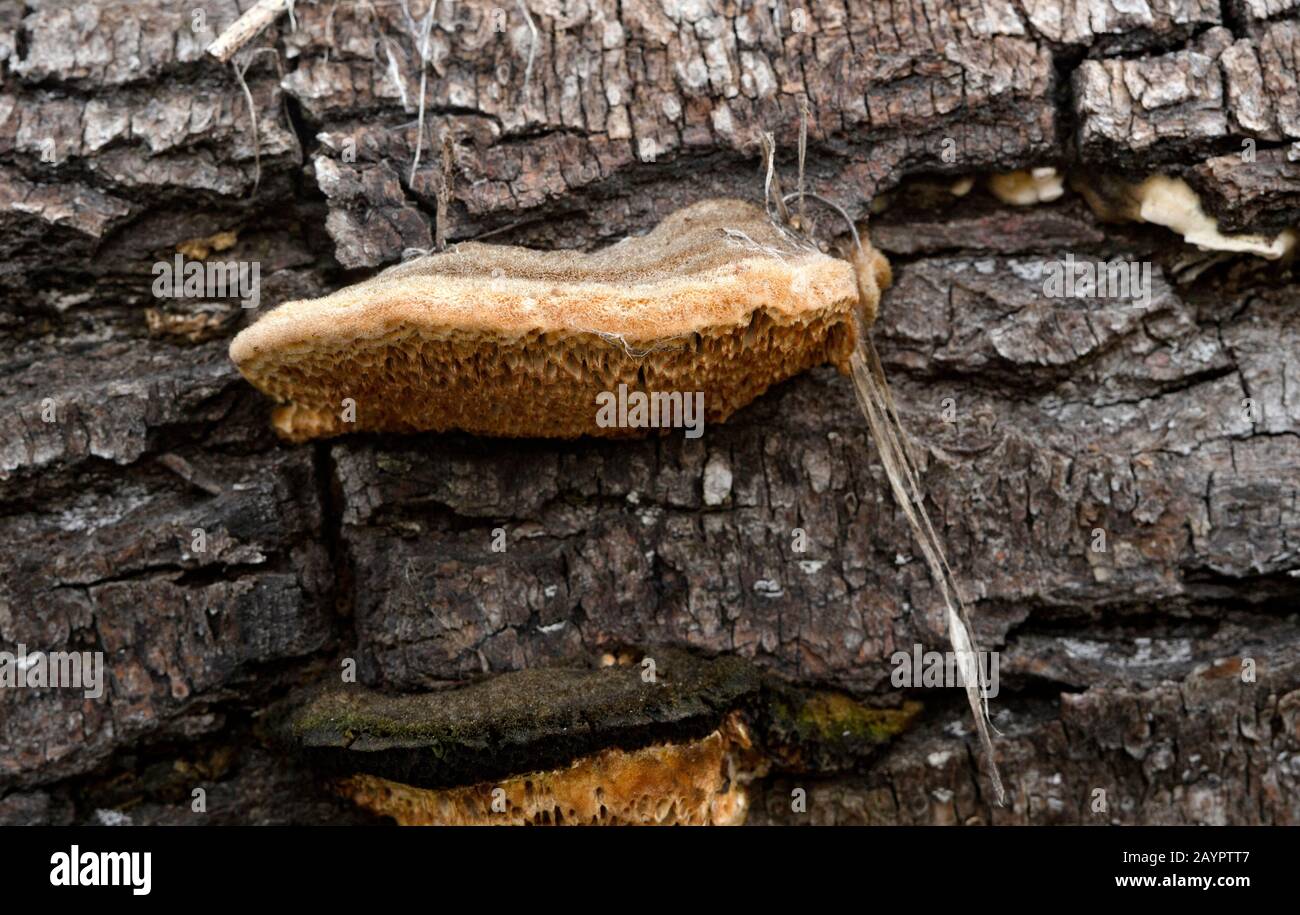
{"x":1174,"y":429}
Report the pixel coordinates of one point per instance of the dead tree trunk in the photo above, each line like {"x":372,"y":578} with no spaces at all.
{"x":1117,"y":485}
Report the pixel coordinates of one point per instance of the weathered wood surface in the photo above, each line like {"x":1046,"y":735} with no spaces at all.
{"x":120,"y":140}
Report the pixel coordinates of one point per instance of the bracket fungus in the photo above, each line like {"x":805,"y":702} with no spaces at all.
{"x":508,"y":341}
{"x":681,"y":750}
{"x":694,"y":783}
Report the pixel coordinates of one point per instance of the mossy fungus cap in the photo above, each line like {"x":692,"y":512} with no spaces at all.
{"x":509,"y":341}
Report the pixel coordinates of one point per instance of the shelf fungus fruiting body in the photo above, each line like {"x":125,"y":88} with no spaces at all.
{"x":503,"y":341}
{"x":692,"y":783}
{"x":505,"y":750}
{"x":685,"y":749}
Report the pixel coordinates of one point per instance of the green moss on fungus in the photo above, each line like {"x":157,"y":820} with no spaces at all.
{"x":518,"y":721}
{"x":545,"y":718}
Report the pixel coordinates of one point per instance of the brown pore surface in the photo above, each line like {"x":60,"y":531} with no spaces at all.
{"x":699,"y":783}
{"x":508,"y":341}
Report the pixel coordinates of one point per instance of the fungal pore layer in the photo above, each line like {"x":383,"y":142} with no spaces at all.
{"x":693,"y":783}
{"x":507,"y":341}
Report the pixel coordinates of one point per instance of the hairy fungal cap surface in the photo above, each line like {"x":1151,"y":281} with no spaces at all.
{"x":510,"y":341}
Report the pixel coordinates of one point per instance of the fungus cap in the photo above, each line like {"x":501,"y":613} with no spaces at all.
{"x":515,"y":342}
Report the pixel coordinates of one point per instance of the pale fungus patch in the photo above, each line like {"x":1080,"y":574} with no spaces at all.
{"x":1026,"y":187}
{"x":1171,"y":202}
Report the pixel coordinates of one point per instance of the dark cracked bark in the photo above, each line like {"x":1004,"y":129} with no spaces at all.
{"x":1174,"y":429}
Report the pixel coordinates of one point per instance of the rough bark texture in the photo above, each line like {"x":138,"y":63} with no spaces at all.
{"x":1174,"y":428}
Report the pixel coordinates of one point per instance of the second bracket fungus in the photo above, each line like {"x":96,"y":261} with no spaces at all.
{"x":695,"y":783}
{"x":508,"y":341}
{"x":683,"y":749}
